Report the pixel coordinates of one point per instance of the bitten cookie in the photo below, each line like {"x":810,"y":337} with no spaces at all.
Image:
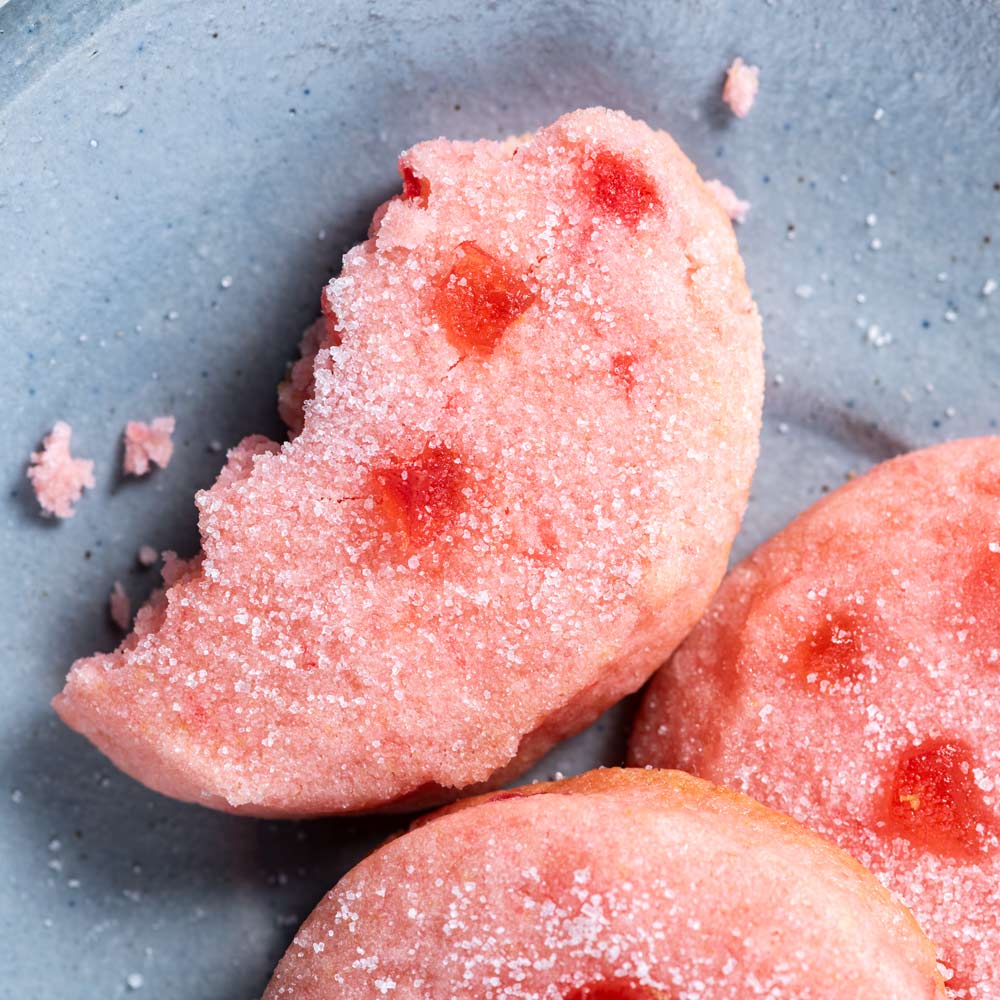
{"x":527,"y":435}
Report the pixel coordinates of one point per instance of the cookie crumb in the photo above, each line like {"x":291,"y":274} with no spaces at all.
{"x":740,"y":89}
{"x":146,"y":556}
{"x":734,"y":206}
{"x":120,"y":607}
{"x":57,"y":478}
{"x":147,"y":444}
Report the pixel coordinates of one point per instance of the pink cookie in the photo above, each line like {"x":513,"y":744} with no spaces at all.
{"x":617,"y":885}
{"x":740,"y":89}
{"x":146,"y":444}
{"x":57,"y":478}
{"x":849,"y":674}
{"x":525,"y":452}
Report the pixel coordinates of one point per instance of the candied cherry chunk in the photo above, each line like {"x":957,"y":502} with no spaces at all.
{"x":620,"y":188}
{"x":621,"y":370}
{"x":616,"y":989}
{"x":504,"y":796}
{"x":935,"y":802}
{"x":414,"y":186}
{"x":959,"y":985}
{"x":833,"y":651}
{"x":420,"y":498}
{"x":479,"y":298}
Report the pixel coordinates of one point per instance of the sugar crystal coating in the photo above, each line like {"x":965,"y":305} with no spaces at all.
{"x":57,"y":478}
{"x":848,"y":673}
{"x":147,"y":444}
{"x":617,"y":885}
{"x":480,"y":537}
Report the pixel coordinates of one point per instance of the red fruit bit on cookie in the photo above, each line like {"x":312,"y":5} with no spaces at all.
{"x":194,"y":717}
{"x":478,"y":299}
{"x":935,"y":802}
{"x":414,"y":187}
{"x":417,"y":500}
{"x":620,"y":188}
{"x":959,"y":986}
{"x":504,"y":796}
{"x":621,"y":369}
{"x":616,"y":989}
{"x":832,"y":652}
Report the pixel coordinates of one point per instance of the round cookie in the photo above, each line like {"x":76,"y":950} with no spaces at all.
{"x":848,"y":673}
{"x":617,"y":885}
{"x":521,"y":453}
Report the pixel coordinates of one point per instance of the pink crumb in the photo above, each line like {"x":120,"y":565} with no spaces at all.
{"x":57,"y":478}
{"x":120,"y":607}
{"x":147,"y":555}
{"x":173,"y":567}
{"x":732,"y":204}
{"x":741,"y":86}
{"x":147,"y":443}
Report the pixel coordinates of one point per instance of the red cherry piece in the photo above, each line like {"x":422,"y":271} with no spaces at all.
{"x":414,"y":186}
{"x":504,"y":796}
{"x":619,"y":188}
{"x":959,"y":986}
{"x":935,"y":802}
{"x":621,"y":369}
{"x":832,"y":652}
{"x":417,"y":500}
{"x":478,"y":299}
{"x":195,"y":717}
{"x":616,"y":989}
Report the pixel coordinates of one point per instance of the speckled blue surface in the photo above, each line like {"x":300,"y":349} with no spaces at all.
{"x":148,"y":150}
